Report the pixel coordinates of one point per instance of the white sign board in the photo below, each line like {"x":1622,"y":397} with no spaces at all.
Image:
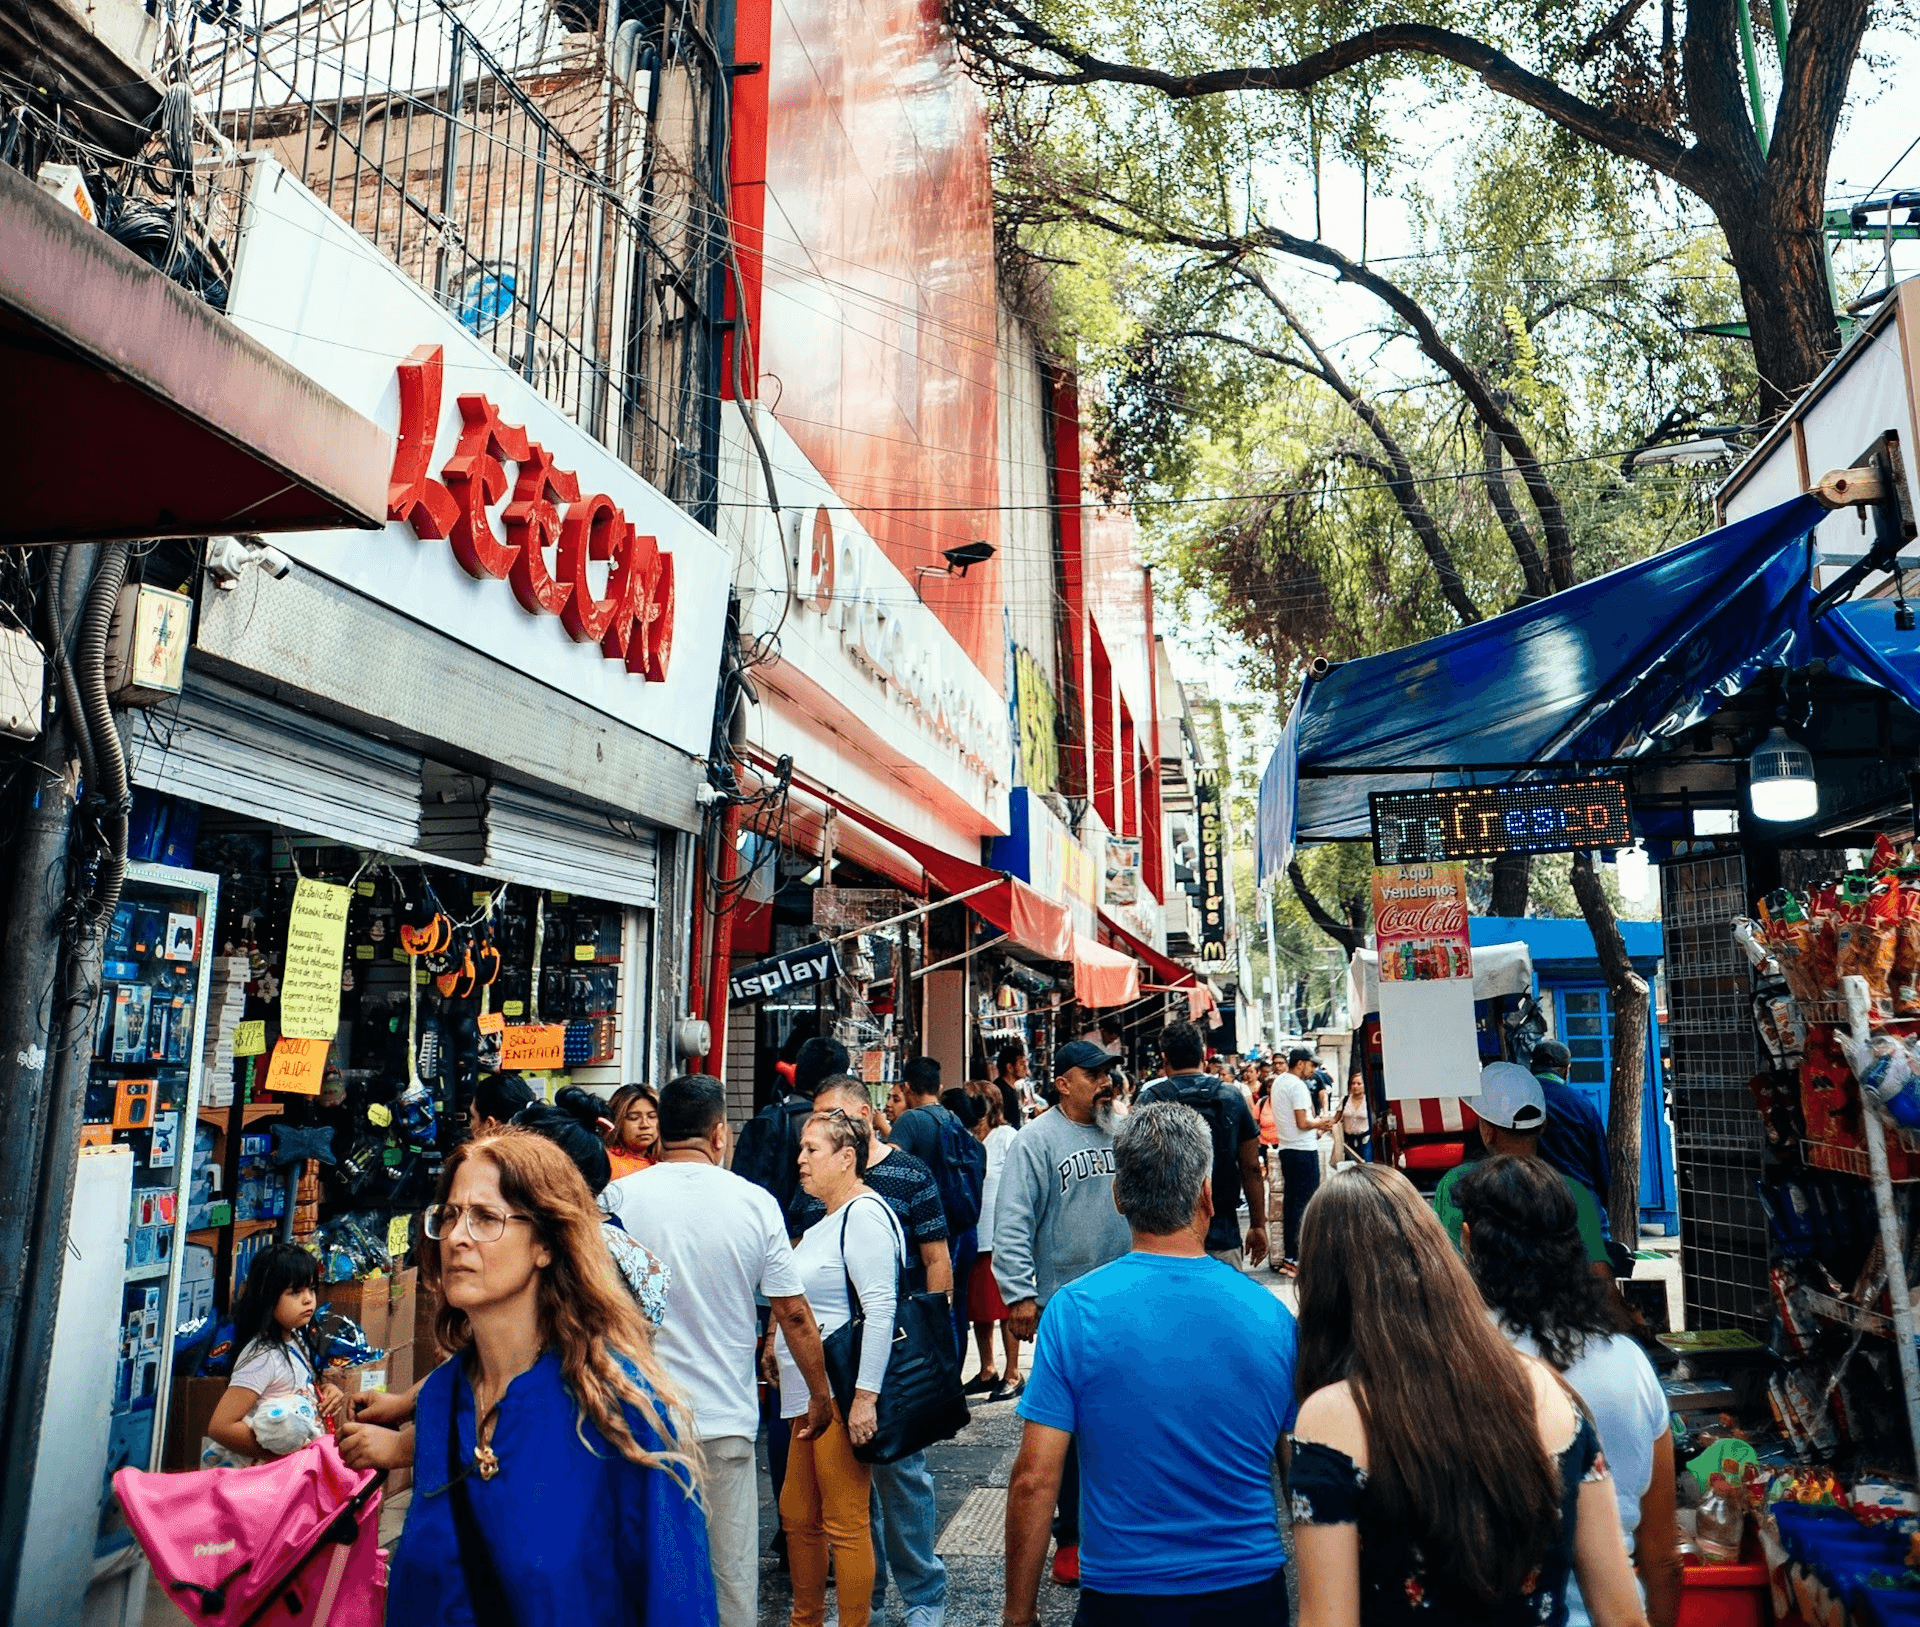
{"x":1427,"y":1042}
{"x":314,"y":291}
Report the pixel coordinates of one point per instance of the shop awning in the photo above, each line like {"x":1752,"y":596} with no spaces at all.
{"x":1599,"y":672}
{"x":1103,"y":977}
{"x":1168,"y":971}
{"x":1030,"y":920}
{"x":139,"y":411}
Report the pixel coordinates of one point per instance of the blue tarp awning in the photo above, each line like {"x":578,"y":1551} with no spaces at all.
{"x":1599,"y":672}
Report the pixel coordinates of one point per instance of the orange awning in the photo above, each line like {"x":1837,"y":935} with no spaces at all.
{"x":1102,"y":976}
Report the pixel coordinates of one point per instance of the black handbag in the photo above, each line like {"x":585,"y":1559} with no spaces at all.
{"x":920,"y":1400}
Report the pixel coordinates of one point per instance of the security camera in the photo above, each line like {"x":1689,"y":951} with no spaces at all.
{"x":274,"y":563}
{"x":227,"y":557}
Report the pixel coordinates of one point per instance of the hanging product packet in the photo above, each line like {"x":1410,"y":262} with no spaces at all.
{"x":1793,"y":940}
{"x":1866,"y":922}
{"x":1906,"y":950}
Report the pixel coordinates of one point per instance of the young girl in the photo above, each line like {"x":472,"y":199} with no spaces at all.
{"x":279,"y":1300}
{"x":635,"y":1142}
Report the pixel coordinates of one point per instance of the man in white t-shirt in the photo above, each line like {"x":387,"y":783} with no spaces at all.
{"x":1298,"y":1123}
{"x":725,"y":1242}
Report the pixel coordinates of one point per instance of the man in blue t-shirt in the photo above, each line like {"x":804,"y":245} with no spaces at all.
{"x":1173,"y":1375}
{"x":1574,"y":1141}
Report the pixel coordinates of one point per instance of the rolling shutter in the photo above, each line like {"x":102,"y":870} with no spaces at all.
{"x":545,"y":842}
{"x":229,"y":748}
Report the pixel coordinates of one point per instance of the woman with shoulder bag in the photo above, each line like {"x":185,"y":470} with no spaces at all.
{"x":824,"y":1502}
{"x":552,"y":1406}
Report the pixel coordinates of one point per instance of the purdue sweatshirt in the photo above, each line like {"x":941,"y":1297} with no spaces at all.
{"x":1053,"y":1217}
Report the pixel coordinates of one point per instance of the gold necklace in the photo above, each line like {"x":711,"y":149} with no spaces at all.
{"x":486,"y":1462}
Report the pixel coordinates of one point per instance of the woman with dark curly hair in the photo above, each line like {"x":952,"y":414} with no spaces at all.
{"x":1522,"y":1245}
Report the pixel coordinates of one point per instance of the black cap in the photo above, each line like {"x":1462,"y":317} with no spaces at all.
{"x":1083,"y":1053}
{"x":1553,"y":1056}
{"x":1300,"y":1054}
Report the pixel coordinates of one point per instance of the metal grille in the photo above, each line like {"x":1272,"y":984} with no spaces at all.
{"x":556,"y":183}
{"x":1718,"y":1139}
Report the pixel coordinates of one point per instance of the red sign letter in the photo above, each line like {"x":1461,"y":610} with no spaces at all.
{"x":636,"y":565}
{"x":412,"y":494}
{"x":658,"y":629}
{"x":533,"y":524}
{"x":589,"y":532}
{"x":474,"y":475}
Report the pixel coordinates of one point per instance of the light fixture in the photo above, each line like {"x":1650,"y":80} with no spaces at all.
{"x":1781,"y":784}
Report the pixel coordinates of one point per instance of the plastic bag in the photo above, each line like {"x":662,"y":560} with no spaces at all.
{"x":1906,"y":953}
{"x":1722,"y":1522}
{"x":1866,"y":935}
{"x":1885,"y":1065}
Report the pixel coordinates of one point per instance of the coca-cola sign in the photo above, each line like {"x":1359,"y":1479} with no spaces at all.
{"x":1420,"y":922}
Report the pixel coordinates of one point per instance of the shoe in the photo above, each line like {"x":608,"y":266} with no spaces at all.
{"x":1066,"y":1565}
{"x":982,"y":1385}
{"x":1289,"y":1268}
{"x":1008,"y":1392}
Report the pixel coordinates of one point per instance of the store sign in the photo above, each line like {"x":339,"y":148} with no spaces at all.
{"x":1420,"y":922}
{"x":1123,"y":870}
{"x":796,"y":969}
{"x":1483,"y":821}
{"x":517,"y":533}
{"x":536,"y":531}
{"x":1210,"y":823}
{"x":1037,"y":716}
{"x":847,"y":581}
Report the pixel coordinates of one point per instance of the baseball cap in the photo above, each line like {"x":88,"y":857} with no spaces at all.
{"x":1083,"y":1053}
{"x":1300,"y":1054}
{"x":1510,"y":1097}
{"x":1553,"y":1056}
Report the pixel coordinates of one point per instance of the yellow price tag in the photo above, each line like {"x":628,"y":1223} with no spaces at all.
{"x":399,"y":1235}
{"x":250,"y":1038}
{"x":560,"y":898}
{"x":513,"y":1008}
{"x":482,"y":901}
{"x":365,"y":889}
{"x":363,"y":951}
{"x":583,"y":951}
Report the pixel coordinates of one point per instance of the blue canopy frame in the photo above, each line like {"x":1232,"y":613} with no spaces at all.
{"x":1598,"y":674}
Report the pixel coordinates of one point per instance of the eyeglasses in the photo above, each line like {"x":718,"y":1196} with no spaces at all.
{"x":483,"y":1225}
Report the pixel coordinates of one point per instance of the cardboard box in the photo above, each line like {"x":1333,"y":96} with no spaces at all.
{"x":426,"y":1307}
{"x":188,"y":1414}
{"x":402,"y":1306}
{"x":362,"y":1380}
{"x":400,"y":1369}
{"x":366,"y":1300}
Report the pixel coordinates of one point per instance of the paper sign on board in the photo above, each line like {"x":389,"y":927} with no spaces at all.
{"x":250,"y":1038}
{"x":298,"y":1066}
{"x":532,"y":1047}
{"x":316,"y":946}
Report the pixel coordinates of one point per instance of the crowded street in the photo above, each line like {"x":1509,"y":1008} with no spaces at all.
{"x":959,"y":813}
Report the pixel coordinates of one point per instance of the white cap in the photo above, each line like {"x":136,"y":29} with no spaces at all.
{"x":1511,"y":1097}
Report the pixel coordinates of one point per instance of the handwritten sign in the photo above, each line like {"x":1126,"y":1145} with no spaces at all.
{"x":297,"y":1066}
{"x":492,"y":1022}
{"x":316,"y":945}
{"x":250,"y":1038}
{"x":399,"y":1235}
{"x":532,"y":1047}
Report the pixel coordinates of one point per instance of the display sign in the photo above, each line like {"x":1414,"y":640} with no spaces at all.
{"x":1211,"y":828}
{"x":316,"y":947}
{"x":250,"y":1038}
{"x":1483,"y":821}
{"x":1038,"y":717}
{"x":298,"y":1066}
{"x":1420,"y":923}
{"x":1123,"y":870}
{"x":798,"y":968}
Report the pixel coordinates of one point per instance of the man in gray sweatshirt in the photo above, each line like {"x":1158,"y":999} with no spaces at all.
{"x":1054,"y":1220}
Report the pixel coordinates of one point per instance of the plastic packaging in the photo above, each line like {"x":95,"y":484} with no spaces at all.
{"x":1884,"y":1065}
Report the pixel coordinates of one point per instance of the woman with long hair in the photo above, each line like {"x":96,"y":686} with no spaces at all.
{"x":985,"y":1307}
{"x":823,"y":1503}
{"x":1520,"y":1234}
{"x":634,"y":1142}
{"x":558,"y":1482}
{"x":1353,"y":1123}
{"x":1438,"y":1476}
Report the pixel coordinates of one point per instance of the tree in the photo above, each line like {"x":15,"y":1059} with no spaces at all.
{"x":1666,"y":96}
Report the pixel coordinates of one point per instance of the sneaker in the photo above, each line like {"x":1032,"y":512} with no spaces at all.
{"x":982,"y":1385}
{"x":1066,"y":1565}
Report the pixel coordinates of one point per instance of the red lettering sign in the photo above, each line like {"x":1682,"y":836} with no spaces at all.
{"x":552,"y":533}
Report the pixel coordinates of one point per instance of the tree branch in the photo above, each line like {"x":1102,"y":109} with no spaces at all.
{"x":984,"y":25}
{"x":1558,"y":571}
{"x":1341,"y":932}
{"x":1629,"y":1046}
{"x":1501,"y":498}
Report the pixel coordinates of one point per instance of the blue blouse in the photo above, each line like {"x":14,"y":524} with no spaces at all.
{"x":580,"y":1538}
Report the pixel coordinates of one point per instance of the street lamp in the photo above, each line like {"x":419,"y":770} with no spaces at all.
{"x":1781,"y":785}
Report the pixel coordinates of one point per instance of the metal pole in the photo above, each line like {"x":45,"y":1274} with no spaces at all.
{"x":449,"y":164}
{"x":1751,"y":59}
{"x":1893,"y":1245}
{"x":31,"y":1057}
{"x":1273,"y":961}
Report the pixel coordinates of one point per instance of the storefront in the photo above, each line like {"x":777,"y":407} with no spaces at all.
{"x":423,"y":810}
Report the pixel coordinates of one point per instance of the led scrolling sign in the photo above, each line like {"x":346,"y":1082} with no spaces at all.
{"x":1484,"y":821}
{"x":552,"y":533}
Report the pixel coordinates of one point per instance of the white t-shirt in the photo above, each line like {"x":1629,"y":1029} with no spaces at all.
{"x":1622,"y":1391}
{"x":1290,"y":1092}
{"x":724,"y":1242}
{"x":272,"y":1368}
{"x":999,"y":1139}
{"x":875,"y":1249}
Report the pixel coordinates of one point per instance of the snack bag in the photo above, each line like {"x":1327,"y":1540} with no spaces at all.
{"x":1906,"y":953}
{"x":1792,"y":937}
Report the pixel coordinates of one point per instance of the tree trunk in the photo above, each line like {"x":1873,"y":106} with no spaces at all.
{"x":1349,"y":935}
{"x":1511,"y":874}
{"x":1631,"y":1010}
{"x":1782,"y":267}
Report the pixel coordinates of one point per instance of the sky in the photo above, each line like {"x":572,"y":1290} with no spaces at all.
{"x":1878,"y":150}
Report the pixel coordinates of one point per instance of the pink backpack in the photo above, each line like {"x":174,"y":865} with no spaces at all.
{"x":291,"y":1541}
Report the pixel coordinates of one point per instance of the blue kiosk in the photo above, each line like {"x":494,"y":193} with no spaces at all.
{"x":1568,"y":983}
